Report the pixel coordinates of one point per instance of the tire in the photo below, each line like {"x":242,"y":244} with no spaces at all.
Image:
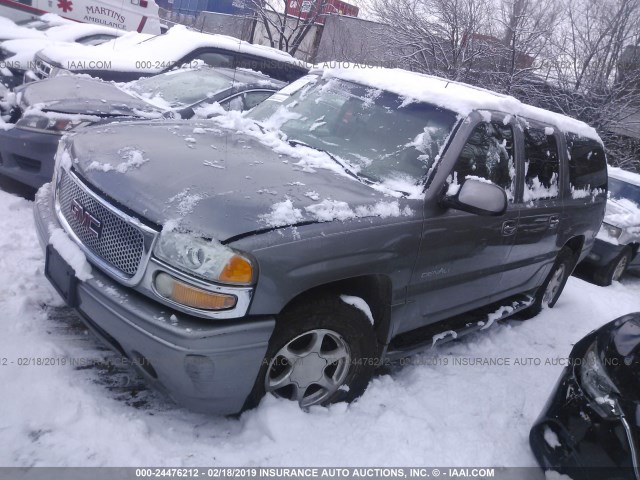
{"x":548,"y":293}
{"x":614,"y":270}
{"x":322,"y":351}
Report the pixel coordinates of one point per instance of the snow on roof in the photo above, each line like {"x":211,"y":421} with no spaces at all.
{"x":9,"y":30}
{"x":74,"y":31}
{"x":455,"y":96}
{"x":624,"y":175}
{"x":154,"y":54}
{"x":55,"y":19}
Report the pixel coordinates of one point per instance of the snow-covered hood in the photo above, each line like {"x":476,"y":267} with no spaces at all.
{"x":9,"y":30}
{"x":622,"y":213}
{"x":82,"y":95}
{"x":216,"y":182}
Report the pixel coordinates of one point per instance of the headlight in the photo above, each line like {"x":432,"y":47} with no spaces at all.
{"x":208,"y":259}
{"x":596,"y":382}
{"x":611,"y":230}
{"x":49,"y":125}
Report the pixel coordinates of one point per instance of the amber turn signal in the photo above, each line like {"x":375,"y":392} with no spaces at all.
{"x":238,"y":270}
{"x":190,"y":296}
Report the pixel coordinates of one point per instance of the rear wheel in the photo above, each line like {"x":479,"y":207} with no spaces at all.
{"x":548,"y":293}
{"x":614,"y":270}
{"x":321,"y":352}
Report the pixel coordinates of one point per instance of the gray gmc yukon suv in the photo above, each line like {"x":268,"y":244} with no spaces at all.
{"x":353,"y":218}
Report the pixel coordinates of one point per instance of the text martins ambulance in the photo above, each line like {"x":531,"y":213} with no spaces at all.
{"x":138,"y":15}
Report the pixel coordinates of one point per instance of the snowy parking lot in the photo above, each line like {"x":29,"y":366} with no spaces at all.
{"x":465,"y":403}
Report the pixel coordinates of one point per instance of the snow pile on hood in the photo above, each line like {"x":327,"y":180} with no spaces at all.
{"x":133,"y":159}
{"x":623,"y":213}
{"x":285,"y":213}
{"x":455,"y":96}
{"x":9,"y":30}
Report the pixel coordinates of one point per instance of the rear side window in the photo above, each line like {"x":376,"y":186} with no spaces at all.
{"x":542,"y":165}
{"x":213,"y":59}
{"x":587,"y":164}
{"x":488,"y":154}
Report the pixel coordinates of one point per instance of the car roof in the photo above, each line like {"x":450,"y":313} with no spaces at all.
{"x":154,"y":54}
{"x":455,"y":96}
{"x":624,"y":175}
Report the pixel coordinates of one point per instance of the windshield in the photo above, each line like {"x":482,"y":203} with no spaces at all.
{"x":181,"y":88}
{"x":620,"y":189}
{"x":377,"y":134}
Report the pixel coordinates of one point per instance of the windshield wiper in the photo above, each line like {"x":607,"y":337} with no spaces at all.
{"x":349,"y":172}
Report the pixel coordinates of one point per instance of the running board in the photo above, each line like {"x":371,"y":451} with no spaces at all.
{"x":454,"y":328}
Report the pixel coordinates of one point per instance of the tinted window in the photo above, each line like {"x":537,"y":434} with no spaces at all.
{"x":251,"y":99}
{"x":542,"y":165}
{"x":95,"y":39}
{"x":272,"y":68}
{"x":587,"y":163}
{"x":216,"y":59}
{"x":487,"y":154}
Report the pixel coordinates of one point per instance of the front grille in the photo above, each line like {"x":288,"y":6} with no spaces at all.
{"x":28,"y":164}
{"x":120,"y":243}
{"x":42,"y":69}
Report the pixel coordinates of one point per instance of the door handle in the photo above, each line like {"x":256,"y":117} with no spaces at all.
{"x":509,"y":227}
{"x":554,"y":221}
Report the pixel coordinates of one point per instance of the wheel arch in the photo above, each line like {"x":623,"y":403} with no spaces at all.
{"x":374,"y":289}
{"x":575,"y":244}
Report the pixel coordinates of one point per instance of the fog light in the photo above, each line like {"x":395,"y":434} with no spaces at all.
{"x":185,"y":294}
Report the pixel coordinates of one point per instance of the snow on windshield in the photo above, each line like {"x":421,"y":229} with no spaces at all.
{"x":372,"y":132}
{"x":179,"y":88}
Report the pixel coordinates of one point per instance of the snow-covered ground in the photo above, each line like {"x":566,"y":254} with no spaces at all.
{"x":426,"y":413}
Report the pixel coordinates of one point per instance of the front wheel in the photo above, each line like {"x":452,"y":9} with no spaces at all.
{"x":548,"y":293}
{"x":614,"y":270}
{"x":322,"y":351}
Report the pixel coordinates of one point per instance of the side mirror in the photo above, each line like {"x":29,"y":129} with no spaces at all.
{"x":479,"y":197}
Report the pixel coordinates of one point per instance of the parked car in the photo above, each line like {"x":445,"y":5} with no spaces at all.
{"x":17,"y":56}
{"x":41,"y":23}
{"x":350,"y":219}
{"x":590,"y":427}
{"x":616,"y":246}
{"x":177,"y":47}
{"x":50,"y":108}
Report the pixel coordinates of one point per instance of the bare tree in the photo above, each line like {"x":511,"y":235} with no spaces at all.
{"x":287,"y":30}
{"x":525,"y":28}
{"x":595,"y":65}
{"x":435,"y":36}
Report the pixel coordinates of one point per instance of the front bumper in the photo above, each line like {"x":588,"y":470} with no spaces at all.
{"x":603,"y":253}
{"x":28,"y":156}
{"x":590,"y":447}
{"x":205,"y":365}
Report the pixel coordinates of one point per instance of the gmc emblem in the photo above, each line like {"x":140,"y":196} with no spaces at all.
{"x":85,"y":219}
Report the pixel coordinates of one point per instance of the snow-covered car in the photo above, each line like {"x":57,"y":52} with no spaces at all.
{"x":50,"y":108}
{"x":616,"y":246}
{"x":32,"y":28}
{"x":178,"y":47}
{"x":18,"y":56}
{"x":348,"y":220}
{"x":590,"y":427}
